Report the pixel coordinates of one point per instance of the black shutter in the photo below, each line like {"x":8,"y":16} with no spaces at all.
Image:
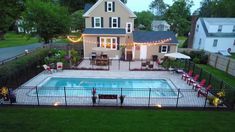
{"x":118,"y":43}
{"x":92,"y":21}
{"x":110,"y":21}
{"x":105,"y":7}
{"x":98,"y":41}
{"x":160,"y":48}
{"x":102,"y":22}
{"x":169,"y":49}
{"x":119,"y":22}
{"x":113,"y":6}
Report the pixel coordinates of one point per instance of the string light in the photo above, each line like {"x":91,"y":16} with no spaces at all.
{"x":75,"y":39}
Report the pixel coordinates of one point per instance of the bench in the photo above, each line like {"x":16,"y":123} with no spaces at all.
{"x":108,"y":96}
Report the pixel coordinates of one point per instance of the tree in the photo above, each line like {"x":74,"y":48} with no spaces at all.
{"x":144,"y":18}
{"x":10,"y":10}
{"x":217,"y":8}
{"x":178,"y":16}
{"x":77,"y":20}
{"x":158,"y":7}
{"x":74,"y":5}
{"x":50,"y":20}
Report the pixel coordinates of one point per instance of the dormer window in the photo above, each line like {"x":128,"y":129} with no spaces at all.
{"x":220,"y":28}
{"x":110,"y":6}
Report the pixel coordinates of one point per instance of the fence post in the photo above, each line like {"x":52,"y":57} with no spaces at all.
{"x":205,"y":100}
{"x":227,"y":67}
{"x":185,"y":64}
{"x":177,"y":102}
{"x":119,"y":64}
{"x":216,"y":60}
{"x":200,"y":75}
{"x":221,"y":84}
{"x":37,"y":95}
{"x":121,"y":97}
{"x":108,"y":64}
{"x":149,"y":97}
{"x":189,"y":63}
{"x":65,"y":97}
{"x":129,"y":65}
{"x":209,"y":79}
{"x":194,"y":68}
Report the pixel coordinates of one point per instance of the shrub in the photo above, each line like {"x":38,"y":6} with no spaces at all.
{"x":196,"y":60}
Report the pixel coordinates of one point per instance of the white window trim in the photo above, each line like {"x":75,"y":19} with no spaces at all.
{"x":117,"y":22}
{"x":108,"y":6}
{"x":105,"y":39}
{"x":220,"y":28}
{"x":130,"y":27}
{"x":95,"y":22}
{"x":166,"y":48}
{"x":214,"y":43}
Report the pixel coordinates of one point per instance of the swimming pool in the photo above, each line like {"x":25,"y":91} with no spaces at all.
{"x":57,"y":86}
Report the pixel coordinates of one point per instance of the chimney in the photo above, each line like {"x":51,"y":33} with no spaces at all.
{"x":192,"y":30}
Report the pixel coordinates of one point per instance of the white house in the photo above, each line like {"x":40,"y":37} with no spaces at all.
{"x":160,"y":25}
{"x":215,"y":34}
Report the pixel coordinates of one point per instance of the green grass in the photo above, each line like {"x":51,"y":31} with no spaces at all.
{"x":111,"y":120}
{"x":181,"y":40}
{"x":220,"y":74}
{"x":13,"y":39}
{"x":233,"y":56}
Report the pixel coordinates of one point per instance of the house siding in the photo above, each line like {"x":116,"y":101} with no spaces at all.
{"x":120,"y":11}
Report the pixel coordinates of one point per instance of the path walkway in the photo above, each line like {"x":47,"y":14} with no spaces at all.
{"x":13,"y":51}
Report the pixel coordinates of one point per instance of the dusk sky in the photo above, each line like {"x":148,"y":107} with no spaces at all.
{"x":141,"y":5}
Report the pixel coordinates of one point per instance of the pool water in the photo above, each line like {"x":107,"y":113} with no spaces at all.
{"x":56,"y":86}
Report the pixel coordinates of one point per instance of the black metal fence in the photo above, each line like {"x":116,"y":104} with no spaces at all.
{"x":125,"y":97}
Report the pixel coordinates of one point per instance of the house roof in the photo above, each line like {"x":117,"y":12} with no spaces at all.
{"x":158,"y":22}
{"x":104,"y":31}
{"x":151,"y":36}
{"x":87,"y":13}
{"x":217,"y":21}
{"x":87,"y":7}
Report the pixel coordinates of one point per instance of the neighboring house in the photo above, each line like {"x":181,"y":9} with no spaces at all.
{"x":215,"y":34}
{"x":160,"y":25}
{"x":20,"y":29}
{"x":110,"y":29}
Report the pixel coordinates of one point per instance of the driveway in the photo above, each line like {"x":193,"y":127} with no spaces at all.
{"x":6,"y":53}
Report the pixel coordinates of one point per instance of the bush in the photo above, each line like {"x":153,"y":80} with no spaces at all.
{"x":17,"y":70}
{"x":199,"y":57}
{"x":196,"y":60}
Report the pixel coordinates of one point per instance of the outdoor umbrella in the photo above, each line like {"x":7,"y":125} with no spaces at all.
{"x":177,"y":56}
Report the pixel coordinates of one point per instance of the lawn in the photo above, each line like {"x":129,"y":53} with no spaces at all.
{"x":220,"y":74}
{"x":113,"y":120}
{"x":13,"y":39}
{"x":233,"y":56}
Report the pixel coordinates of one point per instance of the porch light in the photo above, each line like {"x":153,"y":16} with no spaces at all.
{"x":74,"y":39}
{"x":159,"y":106}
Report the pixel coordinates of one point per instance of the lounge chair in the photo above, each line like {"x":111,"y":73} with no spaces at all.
{"x":204,"y":92}
{"x":47,"y":68}
{"x":185,"y":76}
{"x":200,"y":85}
{"x":193,"y":80}
{"x":59,"y":66}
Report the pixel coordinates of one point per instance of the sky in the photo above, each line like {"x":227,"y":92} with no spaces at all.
{"x":143,"y":5}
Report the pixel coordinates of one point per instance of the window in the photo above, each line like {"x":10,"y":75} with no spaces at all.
{"x":114,"y":22}
{"x":164,"y":49}
{"x":234,"y":43}
{"x":109,"y":43}
{"x":129,"y":27}
{"x":220,"y":28}
{"x":197,"y":28}
{"x":215,"y":43}
{"x":97,"y":22}
{"x":110,"y":6}
{"x":234,"y":28}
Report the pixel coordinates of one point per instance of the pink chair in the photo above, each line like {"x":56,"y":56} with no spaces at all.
{"x":193,"y":80}
{"x":200,"y":85}
{"x":204,"y":92}
{"x":187,"y":75}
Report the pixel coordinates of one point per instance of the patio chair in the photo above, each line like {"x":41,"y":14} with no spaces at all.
{"x":193,"y":80}
{"x":47,"y":68}
{"x":204,"y":92}
{"x":185,"y":76}
{"x":59,"y":66}
{"x":143,"y":65}
{"x":200,"y":85}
